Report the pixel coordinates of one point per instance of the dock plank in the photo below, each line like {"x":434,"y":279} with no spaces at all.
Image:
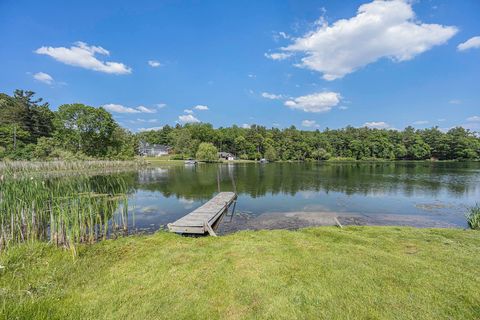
{"x":201,"y":220}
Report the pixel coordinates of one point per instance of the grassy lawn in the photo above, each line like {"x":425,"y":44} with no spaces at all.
{"x":316,"y":273}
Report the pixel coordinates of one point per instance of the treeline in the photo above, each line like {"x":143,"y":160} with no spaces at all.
{"x":347,"y":143}
{"x":30,"y":130}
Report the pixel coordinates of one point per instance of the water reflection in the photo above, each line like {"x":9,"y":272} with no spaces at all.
{"x":289,"y":195}
{"x":257,"y":180}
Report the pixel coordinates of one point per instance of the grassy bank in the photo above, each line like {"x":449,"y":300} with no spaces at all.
{"x":317,"y":273}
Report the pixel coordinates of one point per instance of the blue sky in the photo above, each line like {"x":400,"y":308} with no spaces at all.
{"x":313,"y":64}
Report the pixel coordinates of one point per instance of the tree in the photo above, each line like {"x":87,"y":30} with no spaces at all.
{"x":182,"y":141}
{"x":321,"y":154}
{"x":85,"y":129}
{"x":207,"y":152}
{"x":270,"y":153}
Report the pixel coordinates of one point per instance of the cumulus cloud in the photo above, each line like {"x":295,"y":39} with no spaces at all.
{"x":161,"y":105}
{"x":473,"y":119}
{"x":310,"y":124}
{"x":150,"y":129}
{"x":246,"y":126}
{"x":472,"y":43}
{"x":43,"y":77}
{"x":200,"y":107}
{"x":82,"y":55}
{"x":145,"y":109}
{"x":317,"y":102}
{"x":188,"y":111}
{"x":143,"y":120}
{"x":278,"y":55}
{"x":118,"y":108}
{"x":420,"y":122}
{"x":376,"y":125}
{"x":154,"y":63}
{"x":272,"y":96}
{"x":380,"y":29}
{"x":187,"y":118}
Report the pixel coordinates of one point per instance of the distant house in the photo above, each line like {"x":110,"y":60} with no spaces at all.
{"x":153,"y":150}
{"x":226,"y":156}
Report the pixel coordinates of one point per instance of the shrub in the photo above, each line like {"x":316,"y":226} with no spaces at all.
{"x":473,"y":217}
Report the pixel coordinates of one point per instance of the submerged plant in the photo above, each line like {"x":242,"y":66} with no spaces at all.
{"x":473,"y":217}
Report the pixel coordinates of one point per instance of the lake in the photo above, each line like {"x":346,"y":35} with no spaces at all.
{"x":293,"y":195}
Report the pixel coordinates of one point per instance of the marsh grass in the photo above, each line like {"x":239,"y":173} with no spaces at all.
{"x":473,"y":217}
{"x":64,"y":210}
{"x":12,"y":167}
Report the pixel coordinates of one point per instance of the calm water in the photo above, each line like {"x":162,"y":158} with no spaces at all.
{"x":292,"y":195}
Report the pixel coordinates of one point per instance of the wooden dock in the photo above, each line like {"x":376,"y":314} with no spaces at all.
{"x":205,"y":218}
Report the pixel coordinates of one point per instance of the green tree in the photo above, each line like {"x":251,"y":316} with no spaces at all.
{"x":270,"y":153}
{"x":85,"y":129}
{"x":321,"y":154}
{"x":207,"y":152}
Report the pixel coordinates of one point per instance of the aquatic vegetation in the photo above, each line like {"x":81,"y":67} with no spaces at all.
{"x":473,"y":217}
{"x":11,"y":167}
{"x":63,"y":210}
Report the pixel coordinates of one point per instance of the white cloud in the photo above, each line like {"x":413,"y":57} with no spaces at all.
{"x":310,"y":124}
{"x":145,"y":109}
{"x":376,"y":125}
{"x":187,"y":118}
{"x":188,"y":111}
{"x":272,"y":96}
{"x":278,"y":55}
{"x":118,"y":108}
{"x":471,"y":43}
{"x":455,"y":101}
{"x":143,"y":121}
{"x":200,"y":107}
{"x":251,"y":75}
{"x":246,"y":126}
{"x":420,"y":122}
{"x":280,"y":35}
{"x":380,"y":29}
{"x":473,"y":119}
{"x":343,"y":108}
{"x":154,"y":63}
{"x":150,"y":129}
{"x":161,"y":105}
{"x":317,"y":102}
{"x":82,"y":55}
{"x":441,"y":120}
{"x":43,"y":77}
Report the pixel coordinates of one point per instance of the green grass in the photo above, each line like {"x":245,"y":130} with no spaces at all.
{"x":316,"y":273}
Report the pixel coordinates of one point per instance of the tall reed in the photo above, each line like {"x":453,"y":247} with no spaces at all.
{"x":11,"y":167}
{"x":63,"y":210}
